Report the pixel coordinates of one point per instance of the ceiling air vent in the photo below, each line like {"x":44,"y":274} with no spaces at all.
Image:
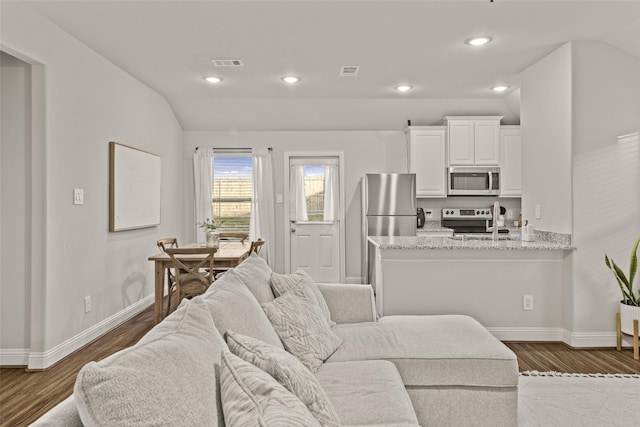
{"x":349,"y":71}
{"x":227,"y":63}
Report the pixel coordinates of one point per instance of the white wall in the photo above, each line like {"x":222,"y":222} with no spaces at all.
{"x":575,"y":103}
{"x":546,"y":102}
{"x":364,"y":152}
{"x":15,"y":178}
{"x":606,"y":177}
{"x":88,"y":102}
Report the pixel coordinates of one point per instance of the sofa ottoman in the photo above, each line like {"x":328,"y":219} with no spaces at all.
{"x":455,"y":371}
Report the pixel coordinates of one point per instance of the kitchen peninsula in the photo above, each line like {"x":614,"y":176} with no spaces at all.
{"x":486,"y":279}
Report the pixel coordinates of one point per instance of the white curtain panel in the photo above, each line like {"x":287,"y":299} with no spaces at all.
{"x":203,"y":180}
{"x":330,"y":192}
{"x":262,"y":220}
{"x":298,"y":208}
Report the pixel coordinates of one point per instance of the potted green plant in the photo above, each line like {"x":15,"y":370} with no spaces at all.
{"x":211,"y":231}
{"x":630,"y":303}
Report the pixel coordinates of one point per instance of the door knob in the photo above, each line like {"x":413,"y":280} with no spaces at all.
{"x":293,"y":230}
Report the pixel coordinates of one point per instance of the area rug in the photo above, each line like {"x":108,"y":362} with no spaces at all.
{"x":552,"y":399}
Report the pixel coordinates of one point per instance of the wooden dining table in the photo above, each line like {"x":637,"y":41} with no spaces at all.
{"x":228,"y":255}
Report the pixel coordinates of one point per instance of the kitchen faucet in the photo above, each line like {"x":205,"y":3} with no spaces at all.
{"x":496,"y":214}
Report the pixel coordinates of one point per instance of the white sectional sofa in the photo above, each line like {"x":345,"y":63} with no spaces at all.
{"x":395,"y":371}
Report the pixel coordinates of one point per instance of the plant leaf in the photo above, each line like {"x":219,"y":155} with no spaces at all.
{"x":622,"y":281}
{"x":633,"y":264}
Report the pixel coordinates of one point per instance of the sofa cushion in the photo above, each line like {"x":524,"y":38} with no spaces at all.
{"x":302,"y":327}
{"x":233,"y":306}
{"x":281,"y":283}
{"x":288,"y":371}
{"x":367,"y":393}
{"x":448,"y":350}
{"x":255,"y":273}
{"x":251,"y":397}
{"x":169,"y":378}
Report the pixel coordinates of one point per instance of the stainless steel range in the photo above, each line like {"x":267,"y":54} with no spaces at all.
{"x":469,"y":220}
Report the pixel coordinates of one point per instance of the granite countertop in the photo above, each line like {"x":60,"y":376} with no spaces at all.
{"x":476,"y":242}
{"x":431,"y":226}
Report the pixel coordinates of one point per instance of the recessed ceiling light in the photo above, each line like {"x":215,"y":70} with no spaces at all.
{"x":500,"y":88}
{"x":403,"y":88}
{"x":291,"y":79}
{"x":213,"y":79}
{"x":478,"y":41}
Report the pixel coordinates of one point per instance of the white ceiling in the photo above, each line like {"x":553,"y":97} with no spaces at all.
{"x":169,"y":45}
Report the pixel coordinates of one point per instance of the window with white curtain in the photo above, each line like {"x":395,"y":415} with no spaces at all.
{"x":314,"y":189}
{"x":232,"y":190}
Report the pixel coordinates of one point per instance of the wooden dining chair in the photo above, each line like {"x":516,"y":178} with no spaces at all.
{"x":256,"y":245}
{"x":231,"y":235}
{"x":193,"y":270}
{"x":163,"y":245}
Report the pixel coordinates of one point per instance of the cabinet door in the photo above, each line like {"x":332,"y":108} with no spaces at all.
{"x":511,"y":167}
{"x":487,"y":142}
{"x":461,"y":136}
{"x":427,"y":159}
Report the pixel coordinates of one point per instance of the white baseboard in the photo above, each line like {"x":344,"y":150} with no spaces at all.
{"x":45,"y":359}
{"x":14,"y":356}
{"x":527,"y":334}
{"x":574,"y":339}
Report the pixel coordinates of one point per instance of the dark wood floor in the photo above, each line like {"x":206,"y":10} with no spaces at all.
{"x":25,"y":396}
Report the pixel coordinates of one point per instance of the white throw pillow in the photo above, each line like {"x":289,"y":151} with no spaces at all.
{"x":169,"y":378}
{"x":251,"y":397}
{"x":302,"y":327}
{"x":289,"y":372}
{"x":281,"y":283}
{"x":232,"y":305}
{"x":255,"y":273}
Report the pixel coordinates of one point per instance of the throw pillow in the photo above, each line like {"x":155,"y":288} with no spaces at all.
{"x":251,"y":397}
{"x":169,"y":378}
{"x":302,"y":327}
{"x":281,"y":283}
{"x":255,"y":273}
{"x":233,"y":306}
{"x":288,"y":371}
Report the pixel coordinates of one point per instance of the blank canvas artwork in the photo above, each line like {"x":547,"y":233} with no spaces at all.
{"x":134,"y":188}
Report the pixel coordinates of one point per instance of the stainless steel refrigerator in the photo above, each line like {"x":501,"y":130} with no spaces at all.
{"x":388,"y":209}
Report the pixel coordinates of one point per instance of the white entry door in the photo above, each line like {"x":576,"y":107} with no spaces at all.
{"x":315,"y":247}
{"x":315,"y":215}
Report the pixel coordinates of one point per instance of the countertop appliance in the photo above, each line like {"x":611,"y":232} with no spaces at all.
{"x":389,"y":207}
{"x":469,"y":220}
{"x":420,"y":218}
{"x":473,"y":181}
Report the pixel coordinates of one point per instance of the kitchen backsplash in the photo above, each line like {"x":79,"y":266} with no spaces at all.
{"x":436,"y":205}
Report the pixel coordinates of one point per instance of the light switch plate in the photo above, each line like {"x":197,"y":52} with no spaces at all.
{"x":279,"y":198}
{"x":78,"y":196}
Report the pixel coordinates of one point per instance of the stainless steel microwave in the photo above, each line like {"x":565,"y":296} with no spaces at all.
{"x":473,"y":181}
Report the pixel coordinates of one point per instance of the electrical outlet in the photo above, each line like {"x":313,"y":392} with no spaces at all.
{"x":87,"y":304}
{"x":509,"y":213}
{"x":78,"y":196}
{"x":429,"y":214}
{"x":537,"y":211}
{"x":527,"y":302}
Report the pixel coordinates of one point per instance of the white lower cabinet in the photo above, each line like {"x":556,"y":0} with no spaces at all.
{"x":428,"y":159}
{"x":511,"y":165}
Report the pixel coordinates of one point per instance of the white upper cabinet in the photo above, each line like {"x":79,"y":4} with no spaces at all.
{"x":474,"y":140}
{"x":511,"y":167}
{"x":427,"y":159}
